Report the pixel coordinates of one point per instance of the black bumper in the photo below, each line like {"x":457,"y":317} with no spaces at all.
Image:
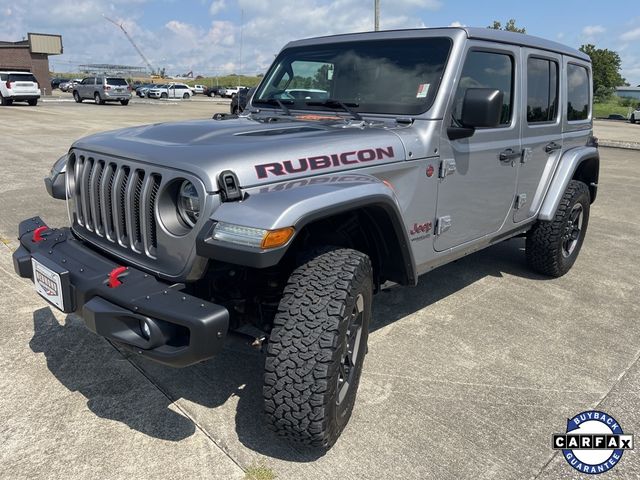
{"x":183,"y":329}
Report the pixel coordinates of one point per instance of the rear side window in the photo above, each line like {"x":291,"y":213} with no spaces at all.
{"x":116,"y":81}
{"x":577,"y":93}
{"x":22,"y":77}
{"x":486,"y":70}
{"x":542,"y":90}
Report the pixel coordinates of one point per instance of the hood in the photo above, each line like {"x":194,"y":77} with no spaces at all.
{"x":258,"y":152}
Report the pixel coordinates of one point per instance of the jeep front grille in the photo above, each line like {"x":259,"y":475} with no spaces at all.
{"x":115,"y":201}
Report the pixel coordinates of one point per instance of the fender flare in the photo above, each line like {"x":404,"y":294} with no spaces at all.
{"x":297,"y":204}
{"x":567,"y":167}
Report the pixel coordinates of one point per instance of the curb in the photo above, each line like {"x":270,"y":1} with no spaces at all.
{"x":619,"y":144}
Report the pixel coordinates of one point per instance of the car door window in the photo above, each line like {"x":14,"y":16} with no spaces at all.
{"x":577,"y":93}
{"x":486,"y":70}
{"x":542,"y":90}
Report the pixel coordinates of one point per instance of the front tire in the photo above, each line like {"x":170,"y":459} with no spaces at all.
{"x":185,"y":96}
{"x":164,"y":95}
{"x":317,"y":346}
{"x":552,"y":247}
{"x":76,"y":97}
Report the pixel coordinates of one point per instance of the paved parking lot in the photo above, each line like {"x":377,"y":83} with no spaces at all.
{"x":468,"y":375}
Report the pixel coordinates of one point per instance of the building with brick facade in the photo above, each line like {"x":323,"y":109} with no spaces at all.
{"x":31,"y":55}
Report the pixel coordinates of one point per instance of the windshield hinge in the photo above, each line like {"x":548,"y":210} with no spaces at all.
{"x":447,"y":167}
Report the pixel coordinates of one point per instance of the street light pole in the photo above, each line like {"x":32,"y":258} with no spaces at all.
{"x":376,"y":15}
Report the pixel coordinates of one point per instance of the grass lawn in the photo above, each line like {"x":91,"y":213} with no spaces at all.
{"x":603,"y":110}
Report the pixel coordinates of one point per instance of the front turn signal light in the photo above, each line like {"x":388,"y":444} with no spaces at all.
{"x":277,"y":238}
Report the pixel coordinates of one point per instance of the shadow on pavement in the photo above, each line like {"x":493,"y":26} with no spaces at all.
{"x":86,"y":363}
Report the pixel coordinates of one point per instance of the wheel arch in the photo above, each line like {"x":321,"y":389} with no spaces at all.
{"x":360,"y":213}
{"x":580,"y":163}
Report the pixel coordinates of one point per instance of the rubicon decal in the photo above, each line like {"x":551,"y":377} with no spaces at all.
{"x":320,"y":162}
{"x":593,"y":443}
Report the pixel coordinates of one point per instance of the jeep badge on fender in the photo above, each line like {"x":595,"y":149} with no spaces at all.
{"x":360,"y":159}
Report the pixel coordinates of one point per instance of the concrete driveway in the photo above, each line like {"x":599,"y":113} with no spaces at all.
{"x":468,"y":375}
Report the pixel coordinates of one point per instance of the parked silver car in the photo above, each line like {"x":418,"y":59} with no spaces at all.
{"x":103,"y":89}
{"x":429,"y":145}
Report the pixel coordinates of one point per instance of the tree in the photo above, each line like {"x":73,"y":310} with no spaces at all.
{"x":606,"y":70}
{"x":509,"y":27}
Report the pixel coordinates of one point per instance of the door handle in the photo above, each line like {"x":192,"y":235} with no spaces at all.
{"x":509,"y":155}
{"x":552,"y":147}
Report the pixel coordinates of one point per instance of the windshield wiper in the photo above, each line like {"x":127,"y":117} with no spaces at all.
{"x":276,"y":101}
{"x":333,"y":103}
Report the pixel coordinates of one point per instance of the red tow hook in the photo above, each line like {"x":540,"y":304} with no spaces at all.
{"x":114,"y":281}
{"x":37,"y":234}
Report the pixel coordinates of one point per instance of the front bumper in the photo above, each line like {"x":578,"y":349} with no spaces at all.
{"x":184,"y":329}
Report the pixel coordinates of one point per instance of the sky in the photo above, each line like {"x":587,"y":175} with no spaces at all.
{"x":217,"y":37}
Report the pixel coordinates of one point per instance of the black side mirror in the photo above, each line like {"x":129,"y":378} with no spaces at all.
{"x":481,"y":108}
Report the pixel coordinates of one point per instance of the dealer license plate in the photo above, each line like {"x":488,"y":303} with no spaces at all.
{"x":48,"y":284}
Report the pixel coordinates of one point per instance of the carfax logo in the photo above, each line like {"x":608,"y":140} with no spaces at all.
{"x":593,"y":443}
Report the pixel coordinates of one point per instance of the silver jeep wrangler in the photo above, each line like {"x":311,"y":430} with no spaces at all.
{"x":361,"y":159}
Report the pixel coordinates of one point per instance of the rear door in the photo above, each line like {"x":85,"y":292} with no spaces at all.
{"x":541,"y":129}
{"x":478,"y":174}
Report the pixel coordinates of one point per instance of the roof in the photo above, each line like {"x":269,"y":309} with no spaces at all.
{"x":20,"y":44}
{"x":488,"y":34}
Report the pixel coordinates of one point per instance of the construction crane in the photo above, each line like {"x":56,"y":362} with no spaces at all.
{"x":119,"y":25}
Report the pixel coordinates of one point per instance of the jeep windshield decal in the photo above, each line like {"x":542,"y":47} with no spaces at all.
{"x":391,"y":76}
{"x":321,"y":162}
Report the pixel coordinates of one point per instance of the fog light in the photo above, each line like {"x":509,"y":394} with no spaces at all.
{"x":146,"y":329}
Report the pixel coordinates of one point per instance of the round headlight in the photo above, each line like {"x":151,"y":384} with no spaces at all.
{"x":188,"y":203}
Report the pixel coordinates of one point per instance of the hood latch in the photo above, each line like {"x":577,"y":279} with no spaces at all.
{"x":229,"y":186}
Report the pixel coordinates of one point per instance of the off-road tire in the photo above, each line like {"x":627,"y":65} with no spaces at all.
{"x":305,"y":353}
{"x":544,"y":244}
{"x":32,"y":102}
{"x":124,"y":103}
{"x":76,"y":97}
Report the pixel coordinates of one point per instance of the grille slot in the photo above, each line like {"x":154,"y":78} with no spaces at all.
{"x":117,"y":202}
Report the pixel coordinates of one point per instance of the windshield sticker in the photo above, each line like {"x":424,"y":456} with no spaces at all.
{"x":423,"y":90}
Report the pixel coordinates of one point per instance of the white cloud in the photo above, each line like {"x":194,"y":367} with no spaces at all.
{"x":592,"y":30}
{"x":217,"y":6}
{"x":631,"y":35}
{"x":457,"y":24}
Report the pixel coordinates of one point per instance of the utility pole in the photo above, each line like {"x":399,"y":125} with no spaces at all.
{"x":376,"y":15}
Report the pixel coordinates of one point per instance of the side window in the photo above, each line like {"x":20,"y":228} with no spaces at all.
{"x":99,"y":81}
{"x":486,"y":70}
{"x":577,"y":93}
{"x":542,"y":90}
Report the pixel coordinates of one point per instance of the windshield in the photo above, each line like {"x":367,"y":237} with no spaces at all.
{"x":378,"y":76}
{"x":116,"y":81}
{"x":22,"y":77}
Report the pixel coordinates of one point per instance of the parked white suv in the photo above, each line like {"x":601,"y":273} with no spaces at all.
{"x":231,"y":91}
{"x":171,"y":90}
{"x":635,"y":115}
{"x":18,"y":87}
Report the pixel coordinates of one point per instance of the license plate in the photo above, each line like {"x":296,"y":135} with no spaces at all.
{"x":48,"y":284}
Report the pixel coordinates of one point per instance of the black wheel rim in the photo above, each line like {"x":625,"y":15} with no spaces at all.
{"x":347,"y":371}
{"x":572,"y":230}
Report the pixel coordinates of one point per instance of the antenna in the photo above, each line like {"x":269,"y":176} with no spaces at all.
{"x":119,"y":25}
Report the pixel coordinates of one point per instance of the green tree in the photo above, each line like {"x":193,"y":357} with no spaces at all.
{"x":509,"y":27}
{"x":606,"y":70}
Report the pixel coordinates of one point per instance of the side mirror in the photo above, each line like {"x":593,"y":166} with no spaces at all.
{"x":481,"y":108}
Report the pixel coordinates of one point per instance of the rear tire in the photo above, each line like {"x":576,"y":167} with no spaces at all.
{"x":76,"y":97}
{"x":317,"y":347}
{"x":633,"y":119}
{"x":97,"y":100}
{"x":553,"y":246}
{"x":33,"y":102}
{"x":124,"y":102}
{"x":5,"y":101}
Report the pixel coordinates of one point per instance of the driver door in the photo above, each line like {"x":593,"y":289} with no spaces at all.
{"x":478,"y":174}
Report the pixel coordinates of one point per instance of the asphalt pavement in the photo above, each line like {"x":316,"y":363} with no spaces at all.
{"x":468,"y":374}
